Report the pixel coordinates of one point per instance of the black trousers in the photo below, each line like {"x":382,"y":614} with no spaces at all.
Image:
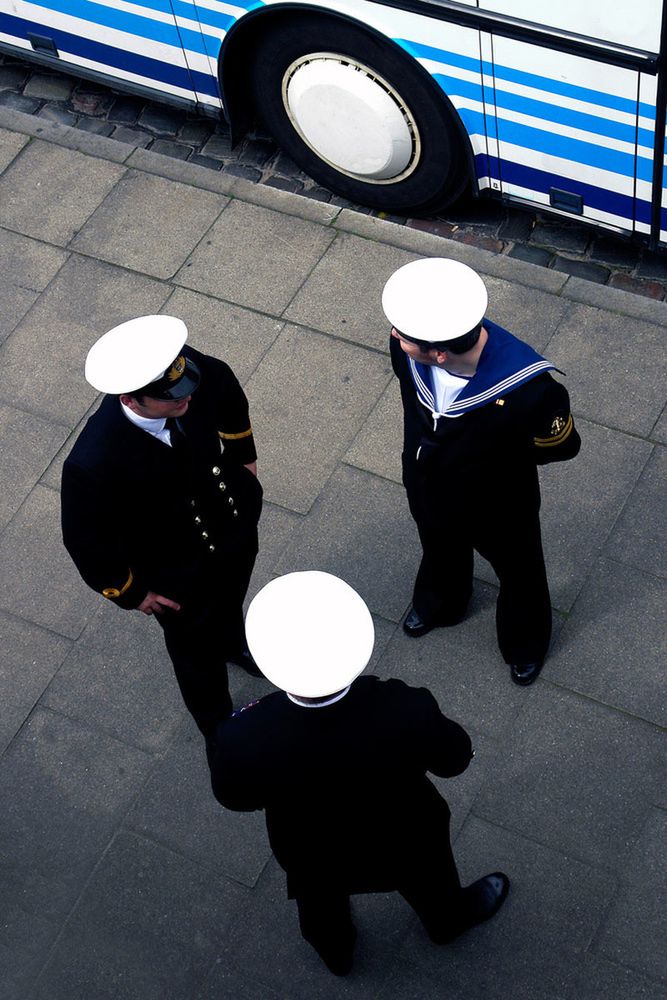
{"x":435,"y":895}
{"x":512,"y":543}
{"x":207,"y":631}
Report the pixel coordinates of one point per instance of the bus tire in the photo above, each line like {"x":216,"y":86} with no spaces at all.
{"x":358,"y":115}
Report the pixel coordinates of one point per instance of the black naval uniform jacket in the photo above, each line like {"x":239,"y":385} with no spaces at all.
{"x":348,"y":805}
{"x":139,"y":515}
{"x":484,"y":462}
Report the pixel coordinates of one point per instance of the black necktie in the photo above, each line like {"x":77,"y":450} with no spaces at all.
{"x":176,"y":435}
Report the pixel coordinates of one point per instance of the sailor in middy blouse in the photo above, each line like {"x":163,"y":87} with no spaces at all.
{"x":481,"y":412}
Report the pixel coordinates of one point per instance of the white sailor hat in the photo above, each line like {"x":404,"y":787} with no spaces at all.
{"x":434,"y":300}
{"x":310,"y":633}
{"x":143,"y":353}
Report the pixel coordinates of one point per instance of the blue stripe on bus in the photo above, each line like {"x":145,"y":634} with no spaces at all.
{"x":108,"y":55}
{"x":543,"y":141}
{"x":474,"y":65}
{"x":454,"y":87}
{"x":133,"y":24}
{"x":621,"y":205}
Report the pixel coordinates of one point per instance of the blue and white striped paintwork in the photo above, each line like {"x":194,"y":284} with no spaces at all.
{"x":534,"y":123}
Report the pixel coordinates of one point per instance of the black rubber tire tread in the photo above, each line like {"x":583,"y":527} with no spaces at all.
{"x":440,"y":175}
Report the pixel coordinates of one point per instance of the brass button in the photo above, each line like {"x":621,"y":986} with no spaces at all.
{"x":235,"y":513}
{"x":192,"y":503}
{"x":215,"y":470}
{"x":230,"y":501}
{"x":222,"y":486}
{"x":204,"y":534}
{"x":211,"y":548}
{"x":197,"y":519}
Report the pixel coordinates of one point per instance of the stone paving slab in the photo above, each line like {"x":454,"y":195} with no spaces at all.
{"x":105,"y":685}
{"x":336,"y":298}
{"x":559,"y":903}
{"x":275,"y":955}
{"x":305,"y":415}
{"x":63,"y":788}
{"x":29,"y":658}
{"x":616,"y":370}
{"x":46,"y":588}
{"x":633,"y":929}
{"x":120,"y":875}
{"x":378,"y":445}
{"x":463,"y":668}
{"x":357,"y":512}
{"x":176,"y":809}
{"x":613,"y":648}
{"x":26,"y":266}
{"x":659,"y":432}
{"x":28,"y":446}
{"x":528,"y":313}
{"x":255,"y":257}
{"x":577,"y":775}
{"x":149,"y":224}
{"x":11,"y":144}
{"x":42,"y":362}
{"x":239,"y":336}
{"x":639,"y":537}
{"x":14,"y":304}
{"x":123,"y":937}
{"x":49,"y":192}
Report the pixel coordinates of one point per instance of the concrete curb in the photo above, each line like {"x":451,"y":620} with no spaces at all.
{"x":344,"y":220}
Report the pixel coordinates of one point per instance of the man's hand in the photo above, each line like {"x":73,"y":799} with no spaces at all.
{"x":155,"y":604}
{"x":251,"y":467}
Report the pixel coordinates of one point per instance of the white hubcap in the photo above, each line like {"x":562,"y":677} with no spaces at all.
{"x":351,"y":118}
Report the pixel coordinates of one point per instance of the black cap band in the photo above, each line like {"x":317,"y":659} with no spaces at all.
{"x":180,"y":380}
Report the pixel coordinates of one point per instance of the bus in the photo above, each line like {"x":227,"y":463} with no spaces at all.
{"x":402,"y":105}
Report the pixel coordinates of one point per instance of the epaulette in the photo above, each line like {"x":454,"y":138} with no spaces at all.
{"x":245,"y":708}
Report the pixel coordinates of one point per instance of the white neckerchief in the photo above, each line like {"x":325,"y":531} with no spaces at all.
{"x":446,"y":387}
{"x":155,"y":426}
{"x":318,"y":704}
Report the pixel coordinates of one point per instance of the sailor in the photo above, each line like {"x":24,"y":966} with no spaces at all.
{"x":481,"y":412}
{"x":161,"y":501}
{"x":338,"y":763}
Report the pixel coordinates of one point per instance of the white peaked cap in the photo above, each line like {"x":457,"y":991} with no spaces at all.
{"x":434,"y":299}
{"x":310,"y":633}
{"x":132,"y":355}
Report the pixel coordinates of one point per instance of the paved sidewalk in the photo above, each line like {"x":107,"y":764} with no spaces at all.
{"x":120,"y":877}
{"x":563,"y":244}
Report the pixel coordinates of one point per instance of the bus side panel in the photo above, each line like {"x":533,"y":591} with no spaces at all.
{"x":560,"y":133}
{"x":648,"y":92}
{"x":140,"y":45}
{"x":448,"y":52}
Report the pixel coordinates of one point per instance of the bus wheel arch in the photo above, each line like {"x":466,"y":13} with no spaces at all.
{"x":279,"y":63}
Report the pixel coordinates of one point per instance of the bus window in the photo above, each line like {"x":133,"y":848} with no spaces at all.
{"x":636,"y":26}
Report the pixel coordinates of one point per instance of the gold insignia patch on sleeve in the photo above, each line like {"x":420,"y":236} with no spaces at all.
{"x":557,"y":425}
{"x":560,"y":430}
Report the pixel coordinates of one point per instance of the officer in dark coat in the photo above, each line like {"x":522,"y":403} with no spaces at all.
{"x":339,"y":766}
{"x":481,"y":412}
{"x":160,"y":500}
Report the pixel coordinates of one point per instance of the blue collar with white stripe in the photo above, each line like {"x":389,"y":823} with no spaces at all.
{"x":504,"y":364}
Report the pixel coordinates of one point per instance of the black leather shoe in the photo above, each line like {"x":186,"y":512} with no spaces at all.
{"x":525,"y":673}
{"x":485,"y":897}
{"x":415,"y":626}
{"x":480,"y":901}
{"x":245,"y":661}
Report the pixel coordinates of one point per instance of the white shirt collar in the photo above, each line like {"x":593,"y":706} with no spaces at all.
{"x":153,"y":425}
{"x":318,"y":704}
